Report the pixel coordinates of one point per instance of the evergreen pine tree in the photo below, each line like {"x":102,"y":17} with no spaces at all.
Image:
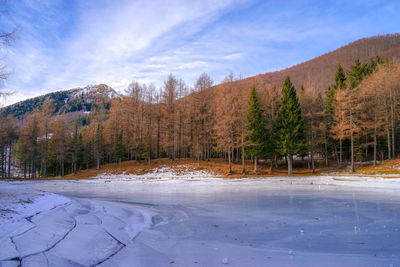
{"x":340,"y":78}
{"x":290,"y":136}
{"x":257,"y":135}
{"x":356,"y":73}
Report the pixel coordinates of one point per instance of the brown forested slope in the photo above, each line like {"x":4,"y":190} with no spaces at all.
{"x":321,"y":70}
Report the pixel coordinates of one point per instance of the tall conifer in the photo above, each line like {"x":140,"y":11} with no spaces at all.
{"x":290,"y":132}
{"x":257,"y":135}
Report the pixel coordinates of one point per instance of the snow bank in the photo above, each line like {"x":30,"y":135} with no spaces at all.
{"x":181,"y":174}
{"x":361,"y":182}
{"x":165,"y":172}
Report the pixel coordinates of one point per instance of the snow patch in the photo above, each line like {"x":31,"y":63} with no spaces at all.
{"x":164,"y":172}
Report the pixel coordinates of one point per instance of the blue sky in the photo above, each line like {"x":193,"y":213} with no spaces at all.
{"x":69,"y":43}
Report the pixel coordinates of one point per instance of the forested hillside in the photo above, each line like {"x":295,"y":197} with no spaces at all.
{"x":318,"y":71}
{"x":73,"y":100}
{"x":352,"y":116}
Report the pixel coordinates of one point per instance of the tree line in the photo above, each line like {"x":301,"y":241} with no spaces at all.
{"x":354,"y":120}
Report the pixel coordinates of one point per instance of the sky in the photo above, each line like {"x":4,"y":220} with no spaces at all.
{"x":63,"y":44}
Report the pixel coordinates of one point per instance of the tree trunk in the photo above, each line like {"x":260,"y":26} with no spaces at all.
{"x":290,"y":164}
{"x":393,"y":138}
{"x":158,"y":139}
{"x":98,"y":162}
{"x":243,"y":161}
{"x":45,"y":156}
{"x":340,"y":152}
{"x":375,"y":146}
{"x":388,"y":143}
{"x":255,"y":165}
{"x":326,"y":152}
{"x":179,"y":135}
{"x":271,"y":165}
{"x":352,"y":152}
{"x":9,"y":162}
{"x":197,"y":152}
{"x":62,"y":167}
{"x":32,"y":169}
{"x":2,"y":163}
{"x":230,"y":161}
{"x":375,"y":133}
{"x":312,"y":152}
{"x":392,"y":123}
{"x":352,"y":139}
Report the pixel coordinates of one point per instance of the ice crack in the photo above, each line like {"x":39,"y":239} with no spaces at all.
{"x":50,"y":247}
{"x":115,"y":253}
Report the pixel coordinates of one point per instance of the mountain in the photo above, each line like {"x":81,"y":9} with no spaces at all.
{"x":76,"y":100}
{"x":320,"y":71}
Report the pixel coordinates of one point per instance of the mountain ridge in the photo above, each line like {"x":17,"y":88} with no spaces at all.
{"x":66,"y":101}
{"x":385,"y":46}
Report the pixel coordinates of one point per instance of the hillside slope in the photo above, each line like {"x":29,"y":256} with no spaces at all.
{"x":321,"y":70}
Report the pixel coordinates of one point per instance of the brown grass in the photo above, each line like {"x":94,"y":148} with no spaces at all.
{"x":220,"y":168}
{"x":386,"y":167}
{"x":217,"y":166}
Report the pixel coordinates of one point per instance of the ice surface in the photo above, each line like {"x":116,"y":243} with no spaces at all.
{"x":36,"y":260}
{"x":51,"y":227}
{"x":59,"y":231}
{"x":283,"y":221}
{"x":87,"y":245}
{"x":11,"y":263}
{"x":8,"y":250}
{"x":17,"y":204}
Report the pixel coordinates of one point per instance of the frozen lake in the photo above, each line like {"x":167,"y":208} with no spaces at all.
{"x":215,"y":222}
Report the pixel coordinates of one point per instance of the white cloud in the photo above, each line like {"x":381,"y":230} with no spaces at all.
{"x":110,"y":43}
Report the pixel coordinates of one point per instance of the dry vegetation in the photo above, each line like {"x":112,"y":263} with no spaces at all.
{"x":219,"y":167}
{"x":389,"y":167}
